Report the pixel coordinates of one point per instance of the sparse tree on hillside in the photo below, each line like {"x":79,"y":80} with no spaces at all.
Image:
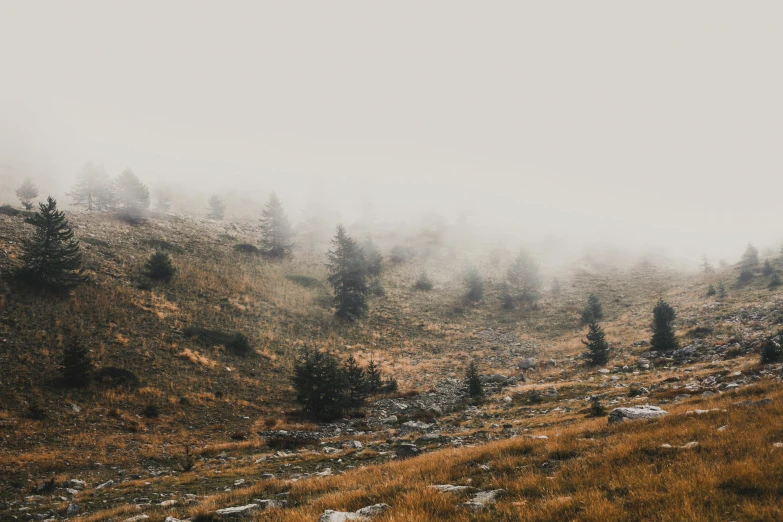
{"x":347,"y":275}
{"x":159,"y":267}
{"x":597,"y":353}
{"x":663,"y":339}
{"x":706,"y":266}
{"x":771,"y":352}
{"x":275,"y":230}
{"x":163,"y":198}
{"x":506,"y":299}
{"x":358,"y":385}
{"x":373,"y":257}
{"x":475,"y":285}
{"x":423,"y":282}
{"x":767,"y":268}
{"x":51,"y":257}
{"x":750,"y":258}
{"x":593,"y":311}
{"x":216,"y":208}
{"x":321,"y":385}
{"x":524,"y":278}
{"x":76,"y":366}
{"x":374,"y":380}
{"x":711,"y":290}
{"x":774,"y":281}
{"x":27,"y":193}
{"x":93,"y":189}
{"x":132,"y":194}
{"x":473,"y":384}
{"x":721,"y":289}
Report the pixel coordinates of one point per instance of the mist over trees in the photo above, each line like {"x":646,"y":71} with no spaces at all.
{"x":216,"y":208}
{"x":275,"y":230}
{"x":132,"y":194}
{"x":27,"y":193}
{"x":347,"y":276}
{"x":524,"y":278}
{"x":93,"y":189}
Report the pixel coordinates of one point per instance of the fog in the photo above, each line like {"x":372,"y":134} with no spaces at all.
{"x":650,"y":127}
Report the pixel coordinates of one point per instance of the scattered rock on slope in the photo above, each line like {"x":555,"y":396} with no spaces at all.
{"x":636,"y":412}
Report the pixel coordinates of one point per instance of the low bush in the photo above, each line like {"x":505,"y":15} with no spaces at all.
{"x":304,"y":281}
{"x":114,"y":377}
{"x":247,"y":248}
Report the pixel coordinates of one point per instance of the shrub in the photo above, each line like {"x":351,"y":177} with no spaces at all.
{"x":247,"y":248}
{"x":771,"y":352}
{"x":775,"y":281}
{"x":721,"y":289}
{"x":596,"y":408}
{"x":304,"y":281}
{"x":239,"y":344}
{"x":162,"y":244}
{"x":745,"y":275}
{"x":321,"y":385}
{"x":159,"y":267}
{"x":473,"y":385}
{"x":711,"y":290}
{"x":593,"y":311}
{"x":35,"y":411}
{"x":423,"y":282}
{"x":8,"y":210}
{"x":75,"y":365}
{"x":767,"y":268}
{"x":376,"y":288}
{"x":116,"y":377}
{"x":390,"y":385}
{"x":475,"y":285}
{"x":400,"y":254}
{"x":151,"y":411}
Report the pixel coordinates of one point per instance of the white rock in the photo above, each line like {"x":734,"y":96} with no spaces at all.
{"x":636,"y":412}
{"x":237,"y":511}
{"x":450,"y":488}
{"x":136,"y":518}
{"x":105,"y":484}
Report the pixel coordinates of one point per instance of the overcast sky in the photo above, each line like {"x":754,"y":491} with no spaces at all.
{"x":640,"y":123}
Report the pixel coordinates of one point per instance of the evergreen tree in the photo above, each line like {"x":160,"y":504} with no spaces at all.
{"x":358,"y":384}
{"x":132,"y":194}
{"x":663,"y":339}
{"x":524,"y":278}
{"x":76,"y":366}
{"x":275,"y":230}
{"x":159,"y":267}
{"x":771,"y":352}
{"x":216,"y":208}
{"x":506,"y":299}
{"x":26,"y":193}
{"x":750,"y":258}
{"x":321,"y":385}
{"x":473,"y":384}
{"x":51,"y":257}
{"x":767,"y":269}
{"x":163,"y":198}
{"x":774,"y":281}
{"x":475,"y":285}
{"x":373,"y":257}
{"x":706,"y":266}
{"x":593,"y":311}
{"x":374,"y":381}
{"x":597,"y":352}
{"x":347,"y":275}
{"x":721,"y":289}
{"x":423,"y":282}
{"x":711,"y":290}
{"x":93,"y":189}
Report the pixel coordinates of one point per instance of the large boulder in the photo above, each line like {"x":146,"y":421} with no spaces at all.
{"x":635,"y":412}
{"x":526,"y":363}
{"x":363,"y":514}
{"x":237,"y":511}
{"x":405,"y":451}
{"x":413,"y":426}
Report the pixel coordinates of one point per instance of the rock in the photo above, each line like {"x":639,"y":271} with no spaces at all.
{"x":411,"y":426}
{"x":73,"y":509}
{"x":137,"y":518}
{"x":77,"y":484}
{"x":429,"y":438}
{"x":390,"y":420}
{"x":526,"y":363}
{"x":482,"y":498}
{"x":353,"y":444}
{"x":374,"y":510}
{"x":339,"y":516}
{"x":604,"y":371}
{"x":405,"y":451}
{"x":172,"y":519}
{"x":237,"y":511}
{"x":775,"y":445}
{"x":636,"y":412}
{"x":168,"y":503}
{"x":507,"y":399}
{"x":450,"y":488}
{"x":105,"y":484}
{"x":270,"y":503}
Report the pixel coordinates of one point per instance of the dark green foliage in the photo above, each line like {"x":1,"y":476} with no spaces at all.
{"x":216,"y":208}
{"x":159,"y":267}
{"x":745,"y":275}
{"x":358,"y":384}
{"x":700,"y":332}
{"x":592,"y":310}
{"x":347,"y":275}
{"x":750,"y":258}
{"x":162,"y":244}
{"x":555,"y":286}
{"x":473,"y":385}
{"x":51,"y":257}
{"x":35,"y":411}
{"x":374,"y":382}
{"x":114,"y":377}
{"x":132,"y":194}
{"x":93,"y":189}
{"x":596,"y":408}
{"x":390,"y":385}
{"x":771,"y":352}
{"x":275,"y":231}
{"x":304,"y":281}
{"x":321,"y":385}
{"x":376,"y":288}
{"x":424,"y":282}
{"x":523,"y":278}
{"x":239,"y":344}
{"x":151,"y":411}
{"x":475,"y":285}
{"x":8,"y":210}
{"x":775,"y":281}
{"x":711,"y":290}
{"x":76,"y":365}
{"x":400,"y":254}
{"x":373,"y":258}
{"x":247,"y":248}
{"x":189,"y":460}
{"x":721,"y":289}
{"x":663,"y":339}
{"x":767,"y":268}
{"x":506,"y":299}
{"x":27,"y":193}
{"x":706,"y":266}
{"x":597,"y":353}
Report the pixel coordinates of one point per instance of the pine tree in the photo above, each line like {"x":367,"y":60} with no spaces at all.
{"x":159,"y":267}
{"x":347,"y":275}
{"x":358,"y":384}
{"x":506,"y":299}
{"x":374,"y":380}
{"x":163,"y":198}
{"x":774,"y":281}
{"x":750,"y":258}
{"x":475,"y":285}
{"x":373,"y":257}
{"x":473,"y":384}
{"x":321,"y":385}
{"x":711,"y":290}
{"x":524,"y":278}
{"x":593,"y":311}
{"x":132,"y":194}
{"x":216,"y":208}
{"x":706,"y":266}
{"x":663,"y":339}
{"x":51,"y":257}
{"x":721,"y":289}
{"x":93,"y":189}
{"x":76,"y":366}
{"x":275,"y":230}
{"x":767,"y":268}
{"x":597,"y":352}
{"x":26,"y":193}
{"x":423,"y":282}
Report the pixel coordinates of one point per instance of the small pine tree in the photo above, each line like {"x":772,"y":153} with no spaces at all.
{"x":555,"y":286}
{"x":26,"y":193}
{"x":373,"y":257}
{"x":76,"y":366}
{"x":475,"y":285}
{"x":596,"y":408}
{"x":721,"y":289}
{"x":767,"y":268}
{"x":51,"y":257}
{"x":706,"y":266}
{"x":771,"y":352}
{"x":159,"y":267}
{"x":524,"y":278}
{"x":358,"y":384}
{"x":216,"y":208}
{"x":374,"y":380}
{"x":348,"y":276}
{"x":750,"y":258}
{"x":423,"y":282}
{"x":132,"y":194}
{"x":774,"y":281}
{"x":663,"y":339}
{"x":275,"y":230}
{"x":593,"y":311}
{"x":506,"y":299}
{"x":473,"y":384}
{"x":321,"y":385}
{"x":597,"y":352}
{"x":711,"y":290}
{"x":93,"y":189}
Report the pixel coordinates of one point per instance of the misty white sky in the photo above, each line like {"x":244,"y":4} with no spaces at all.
{"x":643,"y":124}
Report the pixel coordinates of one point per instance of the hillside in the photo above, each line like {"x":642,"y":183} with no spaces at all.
{"x":226,"y":429}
